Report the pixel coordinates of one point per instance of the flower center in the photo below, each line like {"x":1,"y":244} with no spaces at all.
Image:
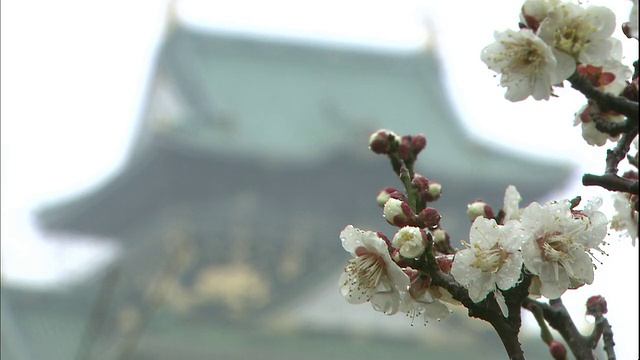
{"x":555,"y":247}
{"x":572,"y":38}
{"x":525,"y":57}
{"x":490,"y":260}
{"x":364,"y":274}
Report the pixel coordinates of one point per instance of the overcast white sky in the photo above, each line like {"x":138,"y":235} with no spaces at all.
{"x":74,"y":71}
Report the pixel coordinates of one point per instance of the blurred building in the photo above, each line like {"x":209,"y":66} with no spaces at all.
{"x":251,"y":156}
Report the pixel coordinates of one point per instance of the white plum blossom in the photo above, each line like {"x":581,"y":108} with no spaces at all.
{"x":533,"y":12}
{"x":409,"y":241}
{"x":511,"y":206}
{"x":426,"y":306}
{"x":626,"y":217}
{"x":528,"y":66}
{"x":371,"y":275}
{"x":396,"y":212}
{"x":558,"y":244}
{"x":582,"y":33}
{"x":612,"y":76}
{"x":423,"y":299}
{"x":588,"y":116}
{"x":492,"y":260}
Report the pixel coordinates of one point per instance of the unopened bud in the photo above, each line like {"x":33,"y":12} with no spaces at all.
{"x":420,"y":182}
{"x":439,"y":236}
{"x":384,"y":195}
{"x":380,"y":142}
{"x":419,"y":142}
{"x":479,"y":208}
{"x":404,"y":149}
{"x":411,"y":241}
{"x":429,"y":217}
{"x":434,"y":191}
{"x":557,"y":350}
{"x":596,"y":306}
{"x":397,"y":212}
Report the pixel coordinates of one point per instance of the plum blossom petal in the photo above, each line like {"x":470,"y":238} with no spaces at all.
{"x":426,"y":306}
{"x":558,"y":244}
{"x":512,"y":200}
{"x":582,"y":33}
{"x":534,"y":12}
{"x":527,"y":65}
{"x":492,"y":259}
{"x":410,"y":241}
{"x":371,"y":275}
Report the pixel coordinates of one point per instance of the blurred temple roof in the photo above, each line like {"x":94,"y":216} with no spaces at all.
{"x":255,"y":151}
{"x":222,"y":100}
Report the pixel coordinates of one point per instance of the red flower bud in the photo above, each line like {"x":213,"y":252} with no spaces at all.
{"x":596,"y":306}
{"x":404,"y":150}
{"x":557,"y":350}
{"x":419,"y":142}
{"x":429,"y":217}
{"x":380,"y":142}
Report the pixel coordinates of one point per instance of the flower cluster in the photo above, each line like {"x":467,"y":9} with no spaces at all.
{"x":373,"y":276}
{"x":553,"y":241}
{"x":560,"y":40}
{"x":517,"y":254}
{"x":390,"y":273}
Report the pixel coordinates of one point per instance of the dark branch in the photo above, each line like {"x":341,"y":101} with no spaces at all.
{"x":603,"y":329}
{"x":488,"y":310}
{"x":605,"y":101}
{"x":610,"y":180}
{"x":556,"y":314}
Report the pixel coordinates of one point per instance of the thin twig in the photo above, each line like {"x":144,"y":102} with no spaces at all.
{"x":556,"y":315}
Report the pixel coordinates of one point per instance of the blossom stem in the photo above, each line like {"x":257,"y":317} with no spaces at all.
{"x":556,"y":314}
{"x":488,"y":310}
{"x":605,"y":101}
